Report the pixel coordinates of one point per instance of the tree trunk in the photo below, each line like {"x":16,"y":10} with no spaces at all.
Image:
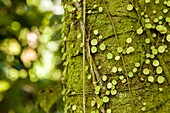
{"x":127,"y":63}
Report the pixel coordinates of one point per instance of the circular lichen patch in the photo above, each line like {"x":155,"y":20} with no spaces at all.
{"x":100,"y":102}
{"x":128,"y":40}
{"x":160,"y":79}
{"x":74,"y":107}
{"x":139,"y":31}
{"x":107,"y":92}
{"x":114,"y":69}
{"x":105,"y":99}
{"x":94,"y":42}
{"x":109,"y":85}
{"x":167,"y":19}
{"x":121,"y":77}
{"x":147,"y":1}
{"x":113,"y":92}
{"x":151,"y":79}
{"x":119,"y":49}
{"x":146,"y":71}
{"x":120,"y":69}
{"x":147,"y":61}
{"x":96,"y":32}
{"x":148,"y":25}
{"x":102,"y":47}
{"x":114,"y":82}
{"x":161,"y":49}
{"x":159,"y":70}
{"x":134,"y":70}
{"x":109,"y":56}
{"x":155,"y":63}
{"x":93,"y":49}
{"x":108,"y":111}
{"x":154,"y":51}
{"x":137,"y":64}
{"x":130,"y":74}
{"x":93,"y":103}
{"x":165,"y":11}
{"x":104,"y":78}
{"x":117,"y":58}
{"x":168,"y":37}
{"x":100,"y":9}
{"x":129,"y":7}
{"x":97,"y":88}
{"x":147,"y":40}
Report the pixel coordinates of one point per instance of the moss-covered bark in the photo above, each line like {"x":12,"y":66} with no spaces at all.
{"x":138,"y":88}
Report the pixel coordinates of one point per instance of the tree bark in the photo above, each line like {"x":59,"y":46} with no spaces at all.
{"x":133,"y":75}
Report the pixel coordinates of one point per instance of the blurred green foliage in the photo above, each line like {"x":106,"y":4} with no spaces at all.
{"x":30,"y":58}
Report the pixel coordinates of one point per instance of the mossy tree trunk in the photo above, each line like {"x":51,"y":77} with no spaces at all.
{"x":127,"y":50}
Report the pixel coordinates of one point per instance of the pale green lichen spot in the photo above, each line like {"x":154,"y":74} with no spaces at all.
{"x":123,"y":81}
{"x":155,"y":63}
{"x":147,"y":20}
{"x":160,"y":79}
{"x":146,"y":71}
{"x":134,"y":70}
{"x":147,"y":1}
{"x":159,"y":70}
{"x":156,"y":1}
{"x":121,"y":77}
{"x":117,"y":58}
{"x":100,"y":9}
{"x":74,"y":107}
{"x":102,"y":47}
{"x":109,"y":56}
{"x":114,"y":69}
{"x":128,"y":40}
{"x":119,"y":49}
{"x":130,"y":74}
{"x":148,"y":26}
{"x":139,"y":31}
{"x":96,"y":32}
{"x":105,"y":99}
{"x":154,"y":51}
{"x":168,"y":3}
{"x":89,"y":76}
{"x":100,"y":37}
{"x":100,"y":102}
{"x":109,"y":85}
{"x":143,"y":109}
{"x":97,"y":88}
{"x":147,"y":61}
{"x":154,"y":11}
{"x":107,"y":92}
{"x":151,"y":79}
{"x":155,"y":20}
{"x":167,"y":19}
{"x":114,"y":82}
{"x":165,"y":10}
{"x":161,"y":49}
{"x":94,"y":42}
{"x":129,"y":7}
{"x":147,"y":40}
{"x":120,"y":69}
{"x":168,"y":37}
{"x":93,"y":103}
{"x":104,"y":78}
{"x":137,"y":64}
{"x":113,"y":92}
{"x":93,"y":49}
{"x":108,"y":111}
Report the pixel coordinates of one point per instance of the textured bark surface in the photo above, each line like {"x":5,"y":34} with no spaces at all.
{"x":137,"y":91}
